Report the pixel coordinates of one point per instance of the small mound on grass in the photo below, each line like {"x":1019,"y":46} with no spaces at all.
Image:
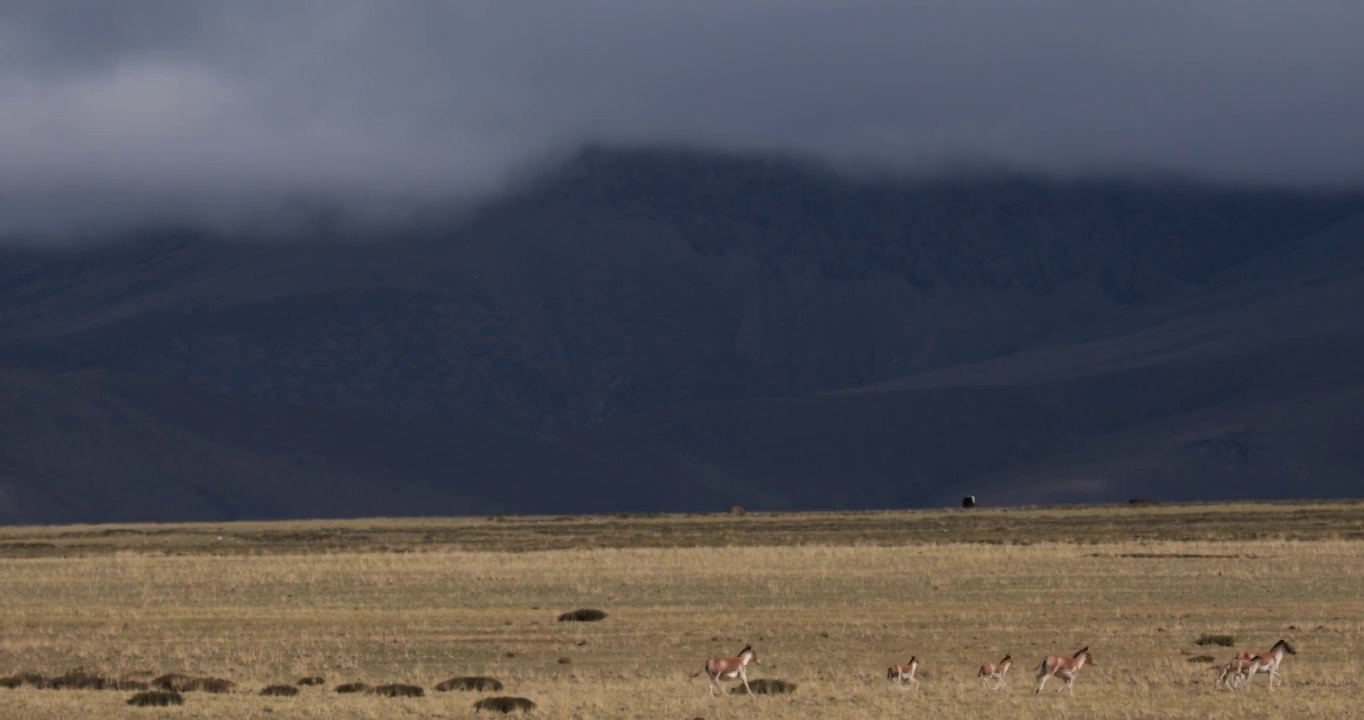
{"x":583,"y":615}
{"x":171,"y":681}
{"x":23,"y":678}
{"x":397,"y":690}
{"x":765,"y":687}
{"x":1219,"y":640}
{"x":77,"y":679}
{"x":1202,"y":659}
{"x":177,"y":682}
{"x":312,"y":680}
{"x":352,"y":688}
{"x":504,"y":704}
{"x":211,"y":685}
{"x":475,"y":683}
{"x":152,"y":698}
{"x":279,"y":691}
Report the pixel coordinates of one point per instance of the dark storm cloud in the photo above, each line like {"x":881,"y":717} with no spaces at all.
{"x":116,"y":110}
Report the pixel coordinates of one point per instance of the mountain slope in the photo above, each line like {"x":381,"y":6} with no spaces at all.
{"x":96,"y":446}
{"x":659,"y":331}
{"x":631,"y":281}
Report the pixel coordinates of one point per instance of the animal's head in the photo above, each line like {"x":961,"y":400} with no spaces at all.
{"x":1286,"y":647}
{"x":913,"y":660}
{"x":1007,"y":659}
{"x":748,"y":652}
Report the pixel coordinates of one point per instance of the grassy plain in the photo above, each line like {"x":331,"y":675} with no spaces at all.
{"x":828,"y":601}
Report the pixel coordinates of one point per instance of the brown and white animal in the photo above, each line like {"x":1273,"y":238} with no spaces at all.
{"x":1064,"y":668}
{"x":1269,"y":661}
{"x":903,"y":675}
{"x":993,"y":675}
{"x":1233,"y":673}
{"x":717,"y":669}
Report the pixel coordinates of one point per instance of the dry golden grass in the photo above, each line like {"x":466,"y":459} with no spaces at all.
{"x":418,"y":606}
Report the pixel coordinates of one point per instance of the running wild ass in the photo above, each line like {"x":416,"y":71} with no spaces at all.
{"x":717,"y":669}
{"x":1064,"y":668}
{"x":993,"y":675}
{"x":903,"y":675}
{"x":1265,"y":661}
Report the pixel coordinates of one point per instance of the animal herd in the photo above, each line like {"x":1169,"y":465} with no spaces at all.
{"x":1235,"y":673}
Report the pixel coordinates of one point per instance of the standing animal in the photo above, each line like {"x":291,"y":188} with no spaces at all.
{"x":717,"y":669}
{"x":903,"y":675}
{"x":1064,"y":668}
{"x":993,"y":675}
{"x":1269,"y":661}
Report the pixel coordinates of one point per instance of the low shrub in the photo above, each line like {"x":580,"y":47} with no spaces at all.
{"x":1219,"y":640}
{"x":154,"y":698}
{"x":765,"y":687}
{"x":397,"y":690}
{"x":476,"y":683}
{"x":583,"y":615}
{"x":504,"y":704}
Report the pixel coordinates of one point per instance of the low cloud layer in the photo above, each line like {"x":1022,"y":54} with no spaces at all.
{"x":113,"y":112}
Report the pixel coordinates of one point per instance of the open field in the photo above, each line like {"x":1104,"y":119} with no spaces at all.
{"x":828,"y":601}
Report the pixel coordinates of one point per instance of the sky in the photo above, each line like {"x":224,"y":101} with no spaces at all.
{"x":114,"y":112}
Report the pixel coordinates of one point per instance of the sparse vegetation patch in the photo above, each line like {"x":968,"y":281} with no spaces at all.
{"x":31,"y":679}
{"x":583,"y":615}
{"x":765,"y":686}
{"x":397,"y":690}
{"x":355,"y":687}
{"x":504,"y":704}
{"x":1218,"y":640}
{"x":312,"y":680}
{"x":477,"y":683}
{"x":279,"y":691}
{"x":155,"y":698}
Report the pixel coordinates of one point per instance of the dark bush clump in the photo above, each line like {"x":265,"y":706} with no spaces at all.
{"x":475,"y":683}
{"x":280,"y":691}
{"x":397,"y":690}
{"x":504,"y":704}
{"x":210,"y":685}
{"x":314,"y":680}
{"x":24,"y":678}
{"x":1219,"y":640}
{"x":174,"y":682}
{"x":765,"y":687}
{"x":155,"y":698}
{"x":1202,"y":659}
{"x":77,"y":679}
{"x":352,"y":688}
{"x":582,"y":615}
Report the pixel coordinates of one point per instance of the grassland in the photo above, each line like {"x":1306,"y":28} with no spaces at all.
{"x":827,"y":600}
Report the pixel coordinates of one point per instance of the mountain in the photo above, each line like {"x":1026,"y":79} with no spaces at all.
{"x":678,"y":330}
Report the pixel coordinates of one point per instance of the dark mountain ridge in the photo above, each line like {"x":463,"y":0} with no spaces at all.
{"x":659,"y":330}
